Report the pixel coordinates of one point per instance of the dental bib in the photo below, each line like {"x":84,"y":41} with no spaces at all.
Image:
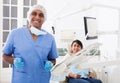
{"x":37,"y":31}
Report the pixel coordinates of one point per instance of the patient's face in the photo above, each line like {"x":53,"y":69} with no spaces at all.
{"x":75,"y":48}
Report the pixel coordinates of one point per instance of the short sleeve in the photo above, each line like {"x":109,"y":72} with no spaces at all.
{"x":8,"y":47}
{"x":53,"y":52}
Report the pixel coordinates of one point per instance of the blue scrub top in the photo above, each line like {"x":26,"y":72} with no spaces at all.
{"x":34,"y":54}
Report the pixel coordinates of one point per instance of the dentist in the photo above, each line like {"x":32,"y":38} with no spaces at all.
{"x":31,"y":50}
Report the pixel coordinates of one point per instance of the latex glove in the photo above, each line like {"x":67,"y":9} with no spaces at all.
{"x":48,"y":65}
{"x":18,"y":63}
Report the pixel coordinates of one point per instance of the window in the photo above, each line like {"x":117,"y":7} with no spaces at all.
{"x":5,"y":34}
{"x":14,"y":2}
{"x":27,"y":4}
{"x":14,"y":11}
{"x":25,"y":9}
{"x":5,"y":24}
{"x":13,"y":23}
{"x":6,"y":11}
{"x":6,"y":1}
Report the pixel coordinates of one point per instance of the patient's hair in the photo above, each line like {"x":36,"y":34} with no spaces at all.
{"x":78,"y":42}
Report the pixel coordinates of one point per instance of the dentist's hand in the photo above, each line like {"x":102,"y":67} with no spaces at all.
{"x":48,"y":65}
{"x":18,"y":63}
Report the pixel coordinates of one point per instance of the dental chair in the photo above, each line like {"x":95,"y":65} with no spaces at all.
{"x":62,"y":68}
{"x":93,"y":72}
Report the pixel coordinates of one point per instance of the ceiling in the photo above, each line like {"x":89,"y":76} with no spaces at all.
{"x":56,"y":8}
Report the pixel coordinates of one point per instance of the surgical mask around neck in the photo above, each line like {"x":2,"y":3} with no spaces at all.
{"x":36,"y":31}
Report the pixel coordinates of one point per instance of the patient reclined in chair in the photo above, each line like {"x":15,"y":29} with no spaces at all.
{"x":70,"y":66}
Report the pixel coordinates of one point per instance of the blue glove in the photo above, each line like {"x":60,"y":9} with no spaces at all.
{"x":48,"y":65}
{"x":18,"y":63}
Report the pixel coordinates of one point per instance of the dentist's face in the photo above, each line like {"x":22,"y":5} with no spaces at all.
{"x":75,"y":48}
{"x":36,"y":19}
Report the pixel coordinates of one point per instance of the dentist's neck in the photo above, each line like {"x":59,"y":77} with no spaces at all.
{"x":29,"y":26}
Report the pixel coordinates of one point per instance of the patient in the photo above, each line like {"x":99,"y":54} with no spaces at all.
{"x":83,"y":75}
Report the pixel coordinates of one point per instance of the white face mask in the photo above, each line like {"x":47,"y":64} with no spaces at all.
{"x":37,"y":31}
